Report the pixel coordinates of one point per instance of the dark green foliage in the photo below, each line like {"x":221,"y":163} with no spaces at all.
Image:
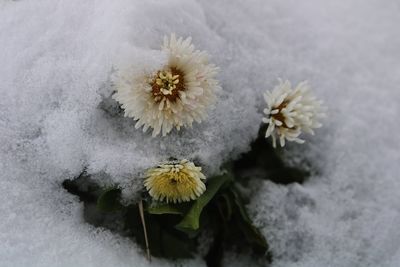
{"x":164,"y":240}
{"x":191,"y":220}
{"x":109,"y":200}
{"x":265,"y":159}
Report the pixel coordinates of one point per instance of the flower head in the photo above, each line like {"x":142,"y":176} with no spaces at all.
{"x":290,"y":112}
{"x":175,"y":181}
{"x":174,"y":96}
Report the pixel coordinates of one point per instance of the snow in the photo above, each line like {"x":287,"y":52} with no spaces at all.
{"x":58,"y":57}
{"x":347,"y":213}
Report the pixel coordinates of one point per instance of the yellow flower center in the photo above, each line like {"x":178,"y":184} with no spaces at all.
{"x":167,"y":84}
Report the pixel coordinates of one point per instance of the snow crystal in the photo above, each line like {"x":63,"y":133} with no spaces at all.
{"x":56,"y":118}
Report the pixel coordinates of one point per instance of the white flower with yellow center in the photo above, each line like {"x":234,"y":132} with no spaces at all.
{"x":174,"y":96}
{"x":290,"y":112}
{"x":175,"y":181}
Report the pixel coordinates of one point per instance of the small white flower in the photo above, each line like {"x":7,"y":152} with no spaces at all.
{"x":174,"y":96}
{"x":175,"y":181}
{"x":290,"y":112}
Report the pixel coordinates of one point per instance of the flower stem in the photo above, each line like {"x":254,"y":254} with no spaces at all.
{"x":144,"y":229}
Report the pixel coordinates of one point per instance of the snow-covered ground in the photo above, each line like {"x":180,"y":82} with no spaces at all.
{"x":57,"y":58}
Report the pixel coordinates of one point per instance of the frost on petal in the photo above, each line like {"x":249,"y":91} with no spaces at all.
{"x":290,"y":112}
{"x":175,"y":181}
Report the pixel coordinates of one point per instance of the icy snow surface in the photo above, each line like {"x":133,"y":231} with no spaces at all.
{"x":57,"y":58}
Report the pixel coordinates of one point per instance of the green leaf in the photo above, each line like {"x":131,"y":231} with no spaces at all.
{"x":164,"y":240}
{"x":176,"y":248}
{"x":252,"y":234}
{"x":191,"y":221}
{"x":109,"y":200}
{"x":225,"y":206}
{"x":165,"y":208}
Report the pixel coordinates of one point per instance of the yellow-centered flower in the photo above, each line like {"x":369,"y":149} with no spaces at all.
{"x":175,"y":181}
{"x":176,"y":95}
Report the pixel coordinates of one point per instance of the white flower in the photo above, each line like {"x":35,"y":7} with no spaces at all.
{"x":174,"y":96}
{"x":291,"y":112}
{"x":175,"y":181}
